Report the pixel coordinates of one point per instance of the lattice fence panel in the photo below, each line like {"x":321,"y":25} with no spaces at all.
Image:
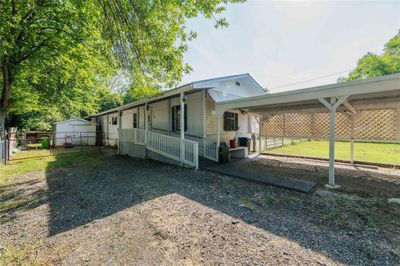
{"x":343,"y":126}
{"x":370,"y":124}
{"x":273,"y":125}
{"x":298,"y":125}
{"x":376,"y":124}
{"x":321,"y":125}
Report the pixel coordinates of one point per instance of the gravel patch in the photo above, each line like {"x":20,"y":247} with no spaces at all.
{"x":136,"y":212}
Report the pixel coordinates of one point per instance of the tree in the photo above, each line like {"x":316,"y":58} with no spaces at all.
{"x":373,"y":65}
{"x":146,"y":37}
{"x":150,"y":38}
{"x":32,"y":31}
{"x":73,"y":84}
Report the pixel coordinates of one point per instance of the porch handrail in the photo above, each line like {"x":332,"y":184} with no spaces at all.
{"x":168,"y":146}
{"x":191,"y":153}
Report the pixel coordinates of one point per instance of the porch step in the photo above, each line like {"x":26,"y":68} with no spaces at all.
{"x":233,"y":169}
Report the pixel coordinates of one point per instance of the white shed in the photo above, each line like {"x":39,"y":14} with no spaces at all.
{"x":77,"y":131}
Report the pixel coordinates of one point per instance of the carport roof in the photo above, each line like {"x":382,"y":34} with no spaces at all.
{"x":385,"y":88}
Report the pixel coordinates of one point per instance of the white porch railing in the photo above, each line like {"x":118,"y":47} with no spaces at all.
{"x":210,"y":150}
{"x":191,"y":153}
{"x":164,"y":145}
{"x":140,"y":136}
{"x":167,"y":146}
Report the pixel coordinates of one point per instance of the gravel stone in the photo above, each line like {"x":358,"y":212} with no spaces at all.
{"x":136,"y":212}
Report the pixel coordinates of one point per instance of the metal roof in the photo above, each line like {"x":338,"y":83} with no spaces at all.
{"x":74,"y":119}
{"x":386,"y":86}
{"x":195,"y":85}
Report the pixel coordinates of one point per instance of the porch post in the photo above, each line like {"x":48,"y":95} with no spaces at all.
{"x":218,"y":134}
{"x":119,"y":130}
{"x":182,"y":131}
{"x":204,"y":99}
{"x":108,"y":130}
{"x":146,"y":106}
{"x":260,"y":125}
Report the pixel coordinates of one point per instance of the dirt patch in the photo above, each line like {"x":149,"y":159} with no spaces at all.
{"x":366,"y":181}
{"x":126,"y":211}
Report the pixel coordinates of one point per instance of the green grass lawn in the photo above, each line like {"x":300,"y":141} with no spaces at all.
{"x":60,"y":160}
{"x":366,"y":152}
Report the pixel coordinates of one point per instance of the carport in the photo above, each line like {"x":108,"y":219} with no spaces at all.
{"x":382,"y":93}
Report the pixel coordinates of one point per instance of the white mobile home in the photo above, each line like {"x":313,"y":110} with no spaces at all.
{"x":162,"y":115}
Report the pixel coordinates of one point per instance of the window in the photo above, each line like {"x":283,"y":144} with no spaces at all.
{"x":114,"y":120}
{"x":135,"y":120}
{"x":230,"y":121}
{"x":176,"y":117}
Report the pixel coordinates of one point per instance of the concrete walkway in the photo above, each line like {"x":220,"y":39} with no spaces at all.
{"x":233,"y":169}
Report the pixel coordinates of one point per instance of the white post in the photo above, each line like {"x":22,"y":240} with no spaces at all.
{"x":108,"y":130}
{"x":182,"y":131}
{"x":204,"y":99}
{"x":260,"y":126}
{"x":119,"y":121}
{"x":332,"y":148}
{"x":218,"y":134}
{"x":146,"y":122}
{"x":332,"y":106}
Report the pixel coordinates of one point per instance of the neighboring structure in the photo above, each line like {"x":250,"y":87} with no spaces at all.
{"x":162,"y":115}
{"x":77,"y":131}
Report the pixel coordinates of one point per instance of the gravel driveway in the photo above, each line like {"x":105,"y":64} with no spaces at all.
{"x":126,"y":211}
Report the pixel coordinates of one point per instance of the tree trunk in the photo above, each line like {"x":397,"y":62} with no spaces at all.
{"x":8,"y":79}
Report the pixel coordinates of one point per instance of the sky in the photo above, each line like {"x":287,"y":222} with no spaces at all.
{"x":283,"y":43}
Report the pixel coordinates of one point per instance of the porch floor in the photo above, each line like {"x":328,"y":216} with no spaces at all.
{"x":233,"y":168}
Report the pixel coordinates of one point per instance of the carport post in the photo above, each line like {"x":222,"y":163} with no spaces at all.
{"x":332,"y":145}
{"x":332,"y":106}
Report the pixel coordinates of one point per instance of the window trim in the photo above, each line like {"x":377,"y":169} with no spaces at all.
{"x":235,"y":119}
{"x":114,"y":118}
{"x":135,"y":120}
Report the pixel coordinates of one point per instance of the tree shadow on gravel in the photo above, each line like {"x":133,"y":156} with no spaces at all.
{"x":20,"y":196}
{"x":80,"y":195}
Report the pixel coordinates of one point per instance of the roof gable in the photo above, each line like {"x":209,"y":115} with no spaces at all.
{"x":74,"y":119}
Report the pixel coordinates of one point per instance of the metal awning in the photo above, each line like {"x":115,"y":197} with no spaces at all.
{"x":386,"y":88}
